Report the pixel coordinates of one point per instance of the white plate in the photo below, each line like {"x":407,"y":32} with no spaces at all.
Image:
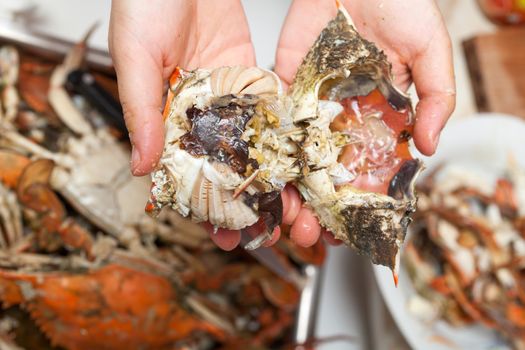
{"x":482,"y":144}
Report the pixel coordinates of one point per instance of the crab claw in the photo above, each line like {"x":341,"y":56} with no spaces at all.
{"x":58,"y":96}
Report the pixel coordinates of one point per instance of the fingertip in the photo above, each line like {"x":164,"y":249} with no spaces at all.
{"x":305,"y":230}
{"x":259,"y":227}
{"x":432,"y":114}
{"x":148,"y":142}
{"x":275,"y":237}
{"x":225,"y":239}
{"x":285,"y":199}
{"x":291,"y":203}
{"x":329,"y":238}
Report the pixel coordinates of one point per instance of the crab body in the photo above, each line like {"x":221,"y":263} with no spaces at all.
{"x":224,"y":160}
{"x":340,"y":135}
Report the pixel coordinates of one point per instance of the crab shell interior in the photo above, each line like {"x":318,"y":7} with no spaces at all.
{"x":360,"y":174}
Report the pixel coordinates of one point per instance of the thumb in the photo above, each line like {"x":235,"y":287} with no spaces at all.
{"x":433,"y":75}
{"x":140,"y":86}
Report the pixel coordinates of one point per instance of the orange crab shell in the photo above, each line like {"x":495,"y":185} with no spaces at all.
{"x":114,"y":307}
{"x":11,"y":167}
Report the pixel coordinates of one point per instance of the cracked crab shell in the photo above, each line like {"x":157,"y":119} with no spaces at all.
{"x":227,"y":152}
{"x":359,"y":172}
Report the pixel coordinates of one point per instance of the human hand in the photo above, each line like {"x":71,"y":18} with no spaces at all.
{"x":414,"y":37}
{"x":148,"y":40}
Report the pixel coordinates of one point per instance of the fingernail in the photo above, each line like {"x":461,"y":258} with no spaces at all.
{"x":436,"y":141}
{"x":135,"y":160}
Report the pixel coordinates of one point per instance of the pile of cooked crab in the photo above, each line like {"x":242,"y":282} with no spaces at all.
{"x":466,"y":254}
{"x":81,"y":264}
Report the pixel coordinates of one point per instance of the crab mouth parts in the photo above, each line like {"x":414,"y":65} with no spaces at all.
{"x":217,"y":133}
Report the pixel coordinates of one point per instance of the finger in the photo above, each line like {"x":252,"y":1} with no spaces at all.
{"x":433,"y":75}
{"x":224,"y":239}
{"x":306,"y":229}
{"x":140,"y":86}
{"x":291,"y":204}
{"x":276,"y":235}
{"x":329,"y":238}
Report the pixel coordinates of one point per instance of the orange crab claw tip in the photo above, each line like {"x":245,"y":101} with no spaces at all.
{"x":149,"y":207}
{"x":338,"y":4}
{"x":175,"y":76}
{"x":396,"y":278}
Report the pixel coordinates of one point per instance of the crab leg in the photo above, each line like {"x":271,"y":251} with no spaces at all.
{"x":5,"y":223}
{"x":16,"y":219}
{"x":208,"y":315}
{"x":166,"y":233}
{"x":28,"y":146}
{"x":58,"y":96}
{"x":467,"y":306}
{"x":9,"y":63}
{"x":240,"y":189}
{"x":12,"y":218}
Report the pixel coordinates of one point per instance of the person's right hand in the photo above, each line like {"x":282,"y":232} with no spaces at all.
{"x":147,"y":41}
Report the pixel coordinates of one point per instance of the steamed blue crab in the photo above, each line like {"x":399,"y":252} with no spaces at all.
{"x":340,"y":134}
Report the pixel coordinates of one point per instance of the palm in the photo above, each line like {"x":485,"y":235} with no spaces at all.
{"x":198,"y":45}
{"x":412,"y":34}
{"x":148,"y":39}
{"x":187,"y":39}
{"x":401,"y":38}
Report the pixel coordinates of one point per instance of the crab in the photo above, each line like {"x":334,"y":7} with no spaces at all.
{"x":340,"y":134}
{"x":10,"y":218}
{"x":107,"y":198}
{"x":72,"y":297}
{"x":467,"y":254}
{"x":9,"y":61}
{"x":228,"y":148}
{"x":359,"y":176}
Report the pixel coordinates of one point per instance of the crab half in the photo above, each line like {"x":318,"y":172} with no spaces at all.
{"x":233,"y":140}
{"x":359,"y":174}
{"x":228,"y":148}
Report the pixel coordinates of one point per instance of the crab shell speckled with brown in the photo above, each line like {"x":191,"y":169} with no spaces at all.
{"x":233,"y":140}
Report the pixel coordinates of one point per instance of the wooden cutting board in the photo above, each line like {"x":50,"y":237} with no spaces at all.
{"x":496,"y":64}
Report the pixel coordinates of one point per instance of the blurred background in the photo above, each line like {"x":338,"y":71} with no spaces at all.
{"x":69,"y":20}
{"x":351,"y":302}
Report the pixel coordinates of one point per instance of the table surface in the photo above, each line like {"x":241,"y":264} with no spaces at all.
{"x":350,"y":302}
